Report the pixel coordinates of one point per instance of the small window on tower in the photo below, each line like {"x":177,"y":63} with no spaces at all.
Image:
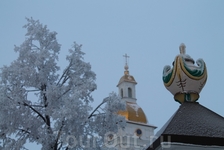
{"x":122,"y":93}
{"x":129,"y":93}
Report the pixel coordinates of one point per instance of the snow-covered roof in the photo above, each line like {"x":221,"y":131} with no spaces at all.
{"x":193,"y":123}
{"x":195,"y":120}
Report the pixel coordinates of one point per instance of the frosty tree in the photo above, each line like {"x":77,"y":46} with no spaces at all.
{"x":60,"y":104}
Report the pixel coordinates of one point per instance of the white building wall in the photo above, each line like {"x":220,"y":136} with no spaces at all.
{"x":125,"y":86}
{"x":128,"y":139}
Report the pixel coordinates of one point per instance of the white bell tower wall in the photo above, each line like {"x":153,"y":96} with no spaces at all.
{"x":127,"y":91}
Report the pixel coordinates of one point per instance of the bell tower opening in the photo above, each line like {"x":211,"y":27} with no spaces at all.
{"x":122,"y":94}
{"x":129,"y":92}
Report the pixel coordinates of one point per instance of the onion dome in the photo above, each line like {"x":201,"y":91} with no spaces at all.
{"x":185,"y":80}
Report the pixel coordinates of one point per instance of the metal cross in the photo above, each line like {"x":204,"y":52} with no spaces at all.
{"x":126,"y":58}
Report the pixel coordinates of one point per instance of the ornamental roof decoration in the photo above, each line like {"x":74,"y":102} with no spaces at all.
{"x":185,"y":80}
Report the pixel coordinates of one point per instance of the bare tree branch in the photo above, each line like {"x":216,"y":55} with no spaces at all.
{"x":59,"y":134}
{"x":39,"y":114}
{"x":23,"y":130}
{"x":64,"y":93}
{"x":64,"y":73}
{"x":96,"y":109}
{"x":32,"y":90}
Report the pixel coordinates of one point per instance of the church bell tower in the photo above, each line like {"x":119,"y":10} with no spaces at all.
{"x":126,"y":85}
{"x":138,"y":132}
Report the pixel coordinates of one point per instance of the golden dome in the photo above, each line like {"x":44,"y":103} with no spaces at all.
{"x":127,"y":78}
{"x":133,"y":113}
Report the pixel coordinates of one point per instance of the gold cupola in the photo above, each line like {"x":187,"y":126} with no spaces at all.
{"x":185,"y":80}
{"x":126,"y":87}
{"x":134,"y":113}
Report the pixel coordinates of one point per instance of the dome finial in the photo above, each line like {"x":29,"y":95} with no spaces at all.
{"x":182,"y":48}
{"x":126,"y":64}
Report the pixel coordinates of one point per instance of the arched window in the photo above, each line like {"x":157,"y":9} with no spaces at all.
{"x":122,"y":93}
{"x":129,"y":93}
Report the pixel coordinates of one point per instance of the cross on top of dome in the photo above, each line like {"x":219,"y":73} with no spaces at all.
{"x":126,"y":63}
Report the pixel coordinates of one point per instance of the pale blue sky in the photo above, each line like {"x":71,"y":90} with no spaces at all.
{"x":149,"y":31}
